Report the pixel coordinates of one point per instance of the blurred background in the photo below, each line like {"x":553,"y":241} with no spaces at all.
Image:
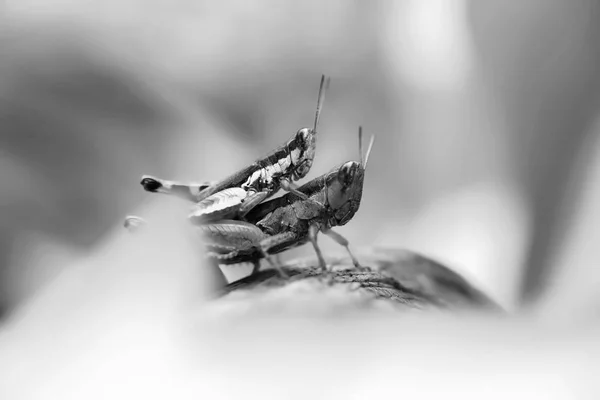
{"x":485,"y":115}
{"x":487,"y":159}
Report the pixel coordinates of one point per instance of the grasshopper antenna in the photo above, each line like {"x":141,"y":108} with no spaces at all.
{"x":322,"y":89}
{"x":369,"y":151}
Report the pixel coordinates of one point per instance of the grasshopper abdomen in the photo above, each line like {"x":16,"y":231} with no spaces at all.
{"x":289,"y":221}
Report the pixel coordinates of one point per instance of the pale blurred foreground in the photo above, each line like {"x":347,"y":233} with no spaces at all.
{"x":144,"y":330}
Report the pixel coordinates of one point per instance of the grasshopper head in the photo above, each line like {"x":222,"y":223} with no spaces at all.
{"x":344,"y":192}
{"x":303,"y":152}
{"x":344,"y":187}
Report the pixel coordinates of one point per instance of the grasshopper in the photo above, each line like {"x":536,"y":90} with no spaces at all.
{"x":288,"y":221}
{"x":234,"y":196}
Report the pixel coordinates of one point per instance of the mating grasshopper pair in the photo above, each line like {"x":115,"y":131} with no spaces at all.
{"x":274,"y":226}
{"x":239,"y":226}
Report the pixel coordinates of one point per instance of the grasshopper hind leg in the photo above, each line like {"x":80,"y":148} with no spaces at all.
{"x":232,"y":242}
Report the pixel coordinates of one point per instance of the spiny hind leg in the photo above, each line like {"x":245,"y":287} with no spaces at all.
{"x":233,"y":242}
{"x":186,"y":191}
{"x":246,"y":241}
{"x":344,"y":242}
{"x":252,"y":255}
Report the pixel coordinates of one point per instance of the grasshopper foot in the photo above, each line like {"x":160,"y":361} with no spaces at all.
{"x":363,"y":269}
{"x":359,"y":267}
{"x":329,"y":278}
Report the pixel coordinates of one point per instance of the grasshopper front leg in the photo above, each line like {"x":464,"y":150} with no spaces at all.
{"x":291,"y":187}
{"x":343,"y":242}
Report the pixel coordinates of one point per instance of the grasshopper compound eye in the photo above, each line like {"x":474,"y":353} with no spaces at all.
{"x":303,"y":138}
{"x":347,"y":172}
